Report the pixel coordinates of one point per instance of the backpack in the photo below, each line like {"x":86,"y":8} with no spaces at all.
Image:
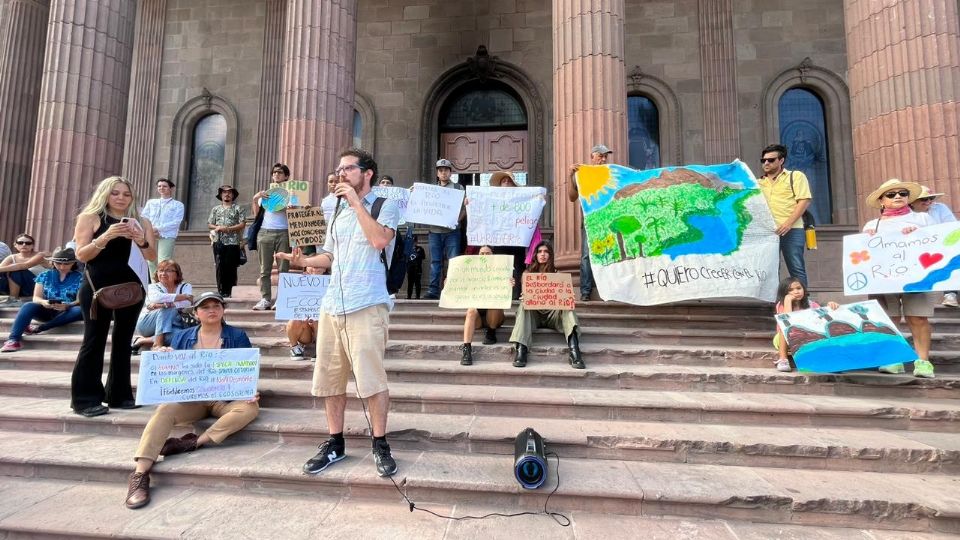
{"x":397,"y":267}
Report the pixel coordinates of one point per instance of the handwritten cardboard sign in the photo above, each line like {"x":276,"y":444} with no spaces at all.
{"x":503,"y":216}
{"x":478,"y":281}
{"x":397,"y":194}
{"x":430,"y":204}
{"x":548,"y":291}
{"x":307,"y":226}
{"x":854,"y":336}
{"x":299,"y":192}
{"x":927,"y":259}
{"x":299,"y":296}
{"x":198,"y":375}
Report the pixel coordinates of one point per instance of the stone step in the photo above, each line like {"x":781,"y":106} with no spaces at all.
{"x":907,"y":502}
{"x":755,"y":446}
{"x":590,"y":404}
{"x":693,"y":378}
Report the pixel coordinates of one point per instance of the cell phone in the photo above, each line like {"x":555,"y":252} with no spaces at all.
{"x":55,"y":302}
{"x":124,"y":219}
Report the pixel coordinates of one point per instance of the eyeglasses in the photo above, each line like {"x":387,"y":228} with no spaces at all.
{"x":894,"y":194}
{"x":168,"y":271}
{"x":278,"y":171}
{"x":926,"y":199}
{"x":769,"y":159}
{"x":24,"y":243}
{"x":347,"y":169}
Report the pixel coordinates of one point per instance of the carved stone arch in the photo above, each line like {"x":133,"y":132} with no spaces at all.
{"x":518,"y":81}
{"x":833,"y":91}
{"x":668,"y":107}
{"x":181,"y":141}
{"x":368,"y":122}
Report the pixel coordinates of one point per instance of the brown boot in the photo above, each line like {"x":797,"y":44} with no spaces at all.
{"x":138,"y":490}
{"x":174,"y":446}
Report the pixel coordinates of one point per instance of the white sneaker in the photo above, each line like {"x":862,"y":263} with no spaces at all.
{"x":950,"y":299}
{"x":784,"y":365}
{"x":262,"y":305}
{"x":296,"y":352}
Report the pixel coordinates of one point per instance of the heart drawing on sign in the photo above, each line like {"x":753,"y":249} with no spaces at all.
{"x":930,"y":259}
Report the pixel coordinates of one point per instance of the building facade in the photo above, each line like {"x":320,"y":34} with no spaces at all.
{"x":208,"y":92}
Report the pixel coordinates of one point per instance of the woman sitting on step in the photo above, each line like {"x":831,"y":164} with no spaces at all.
{"x":18,"y":272}
{"x":161,"y":311}
{"x":488,"y":319}
{"x":560,"y":320}
{"x":213,"y":333}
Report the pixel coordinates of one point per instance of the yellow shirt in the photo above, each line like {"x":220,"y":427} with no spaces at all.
{"x":781,"y":199}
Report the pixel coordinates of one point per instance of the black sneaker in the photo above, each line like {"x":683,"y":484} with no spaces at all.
{"x":490,"y":336}
{"x":330,"y":453}
{"x":386,"y":466}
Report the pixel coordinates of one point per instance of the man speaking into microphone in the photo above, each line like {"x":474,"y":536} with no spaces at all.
{"x":352,"y":328}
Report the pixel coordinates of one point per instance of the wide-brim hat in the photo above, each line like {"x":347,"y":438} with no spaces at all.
{"x":873,"y":199}
{"x":208,"y":296}
{"x":925,"y":192}
{"x":66,"y":255}
{"x":223,"y":188}
{"x":498,"y":177}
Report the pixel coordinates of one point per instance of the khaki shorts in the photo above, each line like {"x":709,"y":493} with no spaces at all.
{"x":911,"y":304}
{"x":353,"y":342}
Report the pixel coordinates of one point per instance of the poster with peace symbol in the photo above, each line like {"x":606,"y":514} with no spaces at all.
{"x":927,"y":259}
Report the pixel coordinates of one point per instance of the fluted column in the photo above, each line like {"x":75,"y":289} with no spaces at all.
{"x":83,"y":107}
{"x":904,"y":69}
{"x":141,"y":132}
{"x":319,"y":72}
{"x":589,"y":103}
{"x":271,"y":74}
{"x":721,"y":128}
{"x":23,"y":31}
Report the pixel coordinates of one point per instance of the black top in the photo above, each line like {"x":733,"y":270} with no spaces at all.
{"x":110,"y":266}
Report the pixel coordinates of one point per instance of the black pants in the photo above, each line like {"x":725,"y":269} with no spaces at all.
{"x":86,"y":388}
{"x":414,"y":276}
{"x":227,"y":259}
{"x":519,"y":255}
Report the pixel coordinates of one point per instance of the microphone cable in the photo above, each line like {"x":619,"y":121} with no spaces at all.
{"x":558,"y":517}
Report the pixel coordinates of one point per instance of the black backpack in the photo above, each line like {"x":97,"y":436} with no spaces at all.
{"x":397,"y":268}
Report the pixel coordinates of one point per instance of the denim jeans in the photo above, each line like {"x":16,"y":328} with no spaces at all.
{"x":792,"y":245}
{"x":52,"y":318}
{"x":442,"y":246}
{"x":24,"y":278}
{"x":586,"y":272}
{"x":158,"y":322}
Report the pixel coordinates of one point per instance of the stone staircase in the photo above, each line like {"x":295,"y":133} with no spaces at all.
{"x":678,"y":426}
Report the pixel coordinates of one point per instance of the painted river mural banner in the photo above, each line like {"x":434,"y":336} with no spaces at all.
{"x":678,"y":233}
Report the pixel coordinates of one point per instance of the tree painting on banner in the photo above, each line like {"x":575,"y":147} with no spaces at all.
{"x":678,"y":233}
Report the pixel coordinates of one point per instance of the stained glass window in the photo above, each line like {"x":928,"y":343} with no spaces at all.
{"x":803,"y":131}
{"x":206,"y":168}
{"x":643,"y":120}
{"x":483,"y":108}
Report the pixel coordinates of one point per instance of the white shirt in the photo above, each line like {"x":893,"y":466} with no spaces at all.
{"x":941,"y":213}
{"x":327,"y":206}
{"x":358,"y":277}
{"x":898,"y":223}
{"x":165,"y":215}
{"x":157,"y":294}
{"x":274,"y":221}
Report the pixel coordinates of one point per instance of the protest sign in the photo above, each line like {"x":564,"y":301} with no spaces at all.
{"x":299,"y":296}
{"x":548,"y":291}
{"x":198,"y":375}
{"x":498,"y":216}
{"x":854,"y":336}
{"x":398,"y":194}
{"x":306,"y":226}
{"x":430,"y":204}
{"x":927,"y":259}
{"x":678,"y":233}
{"x":275,"y":199}
{"x":299,"y":192}
{"x":478,"y":281}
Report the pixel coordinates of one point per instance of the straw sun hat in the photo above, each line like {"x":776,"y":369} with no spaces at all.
{"x":873,"y":199}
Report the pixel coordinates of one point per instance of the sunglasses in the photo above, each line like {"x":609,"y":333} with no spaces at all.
{"x":24,"y":243}
{"x":926,"y":199}
{"x":769,"y":159}
{"x":894,"y":194}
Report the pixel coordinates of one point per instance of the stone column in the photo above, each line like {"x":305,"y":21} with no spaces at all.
{"x":83,"y":108}
{"x":271,"y":76}
{"x":904,"y":70}
{"x":589,"y":103}
{"x":721,"y":128}
{"x":23,"y":31}
{"x":319,"y":79}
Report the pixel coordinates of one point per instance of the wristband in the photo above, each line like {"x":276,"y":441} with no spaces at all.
{"x":94,"y":244}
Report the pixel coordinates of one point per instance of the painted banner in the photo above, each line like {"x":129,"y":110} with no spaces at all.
{"x":299,"y":192}
{"x":431,"y":204}
{"x":548,"y":291}
{"x":678,"y":233}
{"x":306,"y":226}
{"x":927,"y":259}
{"x":299,"y":296}
{"x":854,"y":336}
{"x":478,"y":281}
{"x":398,"y":194}
{"x":198,"y":375}
{"x":276,"y":198}
{"x":499,"y":216}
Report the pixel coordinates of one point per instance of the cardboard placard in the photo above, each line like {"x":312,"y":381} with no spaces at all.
{"x":548,"y":291}
{"x":198,"y":375}
{"x":430,"y":204}
{"x":478,"y":281}
{"x":299,"y":192}
{"x":307,"y":226}
{"x":299,"y":296}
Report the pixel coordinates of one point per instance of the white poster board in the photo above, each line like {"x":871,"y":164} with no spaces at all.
{"x":434,"y":205}
{"x":499,"y":216}
{"x":299,"y":296}
{"x":478,"y":281}
{"x":198,"y":375}
{"x":397,"y":194}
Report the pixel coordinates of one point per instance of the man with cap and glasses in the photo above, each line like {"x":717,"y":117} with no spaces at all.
{"x":598,"y":156}
{"x":226,"y":223}
{"x":788,"y":196}
{"x":444,"y":242}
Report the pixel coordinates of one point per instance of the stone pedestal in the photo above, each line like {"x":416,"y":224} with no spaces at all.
{"x":589,"y":103}
{"x":319,"y":75}
{"x":83,"y":105}
{"x":904,"y":58}
{"x":23,"y":30}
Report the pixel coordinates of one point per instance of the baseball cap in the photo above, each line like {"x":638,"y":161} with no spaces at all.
{"x":444,"y":163}
{"x":601,"y":149}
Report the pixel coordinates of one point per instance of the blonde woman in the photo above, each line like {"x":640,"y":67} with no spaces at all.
{"x":115,"y":243}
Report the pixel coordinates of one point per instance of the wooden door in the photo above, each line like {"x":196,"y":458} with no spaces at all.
{"x":485,"y":151}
